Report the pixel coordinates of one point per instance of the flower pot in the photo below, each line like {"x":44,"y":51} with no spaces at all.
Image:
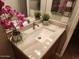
{"x":37,"y":18}
{"x":45,"y":22}
{"x":16,"y":36}
{"x":37,"y":15}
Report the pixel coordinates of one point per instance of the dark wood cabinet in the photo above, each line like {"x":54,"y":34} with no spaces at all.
{"x":6,"y":51}
{"x":18,"y":53}
{"x":51,"y":53}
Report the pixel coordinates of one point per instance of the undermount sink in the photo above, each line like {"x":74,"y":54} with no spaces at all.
{"x":43,"y":34}
{"x":40,"y":35}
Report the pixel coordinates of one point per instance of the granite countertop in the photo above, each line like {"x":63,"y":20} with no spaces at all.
{"x":37,"y":49}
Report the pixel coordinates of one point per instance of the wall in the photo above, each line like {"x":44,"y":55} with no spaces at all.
{"x":19,"y":5}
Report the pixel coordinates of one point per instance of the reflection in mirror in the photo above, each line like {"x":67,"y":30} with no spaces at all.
{"x":60,"y":10}
{"x":63,"y":7}
{"x":23,"y":6}
{"x":33,"y":6}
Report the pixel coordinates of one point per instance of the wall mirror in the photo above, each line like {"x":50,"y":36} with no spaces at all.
{"x":60,"y":8}
{"x":57,"y":8}
{"x":33,"y":5}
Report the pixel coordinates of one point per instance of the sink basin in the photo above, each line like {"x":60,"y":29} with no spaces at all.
{"x":40,"y":35}
{"x":43,"y":35}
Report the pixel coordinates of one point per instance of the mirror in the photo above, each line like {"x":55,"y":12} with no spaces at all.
{"x":63,"y":7}
{"x":33,"y":5}
{"x":60,"y":9}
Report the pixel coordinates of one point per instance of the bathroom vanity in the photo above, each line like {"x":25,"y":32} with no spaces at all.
{"x":44,"y":42}
{"x":41,"y":42}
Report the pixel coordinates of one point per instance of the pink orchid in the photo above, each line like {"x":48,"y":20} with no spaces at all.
{"x":63,"y":5}
{"x":1,"y":5}
{"x":20,"y":16}
{"x":8,"y":10}
{"x":12,"y":12}
{"x":7,"y":24}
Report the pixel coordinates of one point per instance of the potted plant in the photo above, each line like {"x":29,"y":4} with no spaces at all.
{"x":16,"y":36}
{"x":7,"y":13}
{"x":45,"y":19}
{"x":37,"y":15}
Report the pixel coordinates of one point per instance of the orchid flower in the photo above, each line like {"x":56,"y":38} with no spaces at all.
{"x":7,"y":24}
{"x":12,"y":13}
{"x":1,"y":5}
{"x":19,"y":15}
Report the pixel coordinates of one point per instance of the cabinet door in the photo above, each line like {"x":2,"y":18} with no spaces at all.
{"x":18,"y":53}
{"x":6,"y":51}
{"x":51,"y":53}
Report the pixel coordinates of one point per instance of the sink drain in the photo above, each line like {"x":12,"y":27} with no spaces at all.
{"x":39,"y":37}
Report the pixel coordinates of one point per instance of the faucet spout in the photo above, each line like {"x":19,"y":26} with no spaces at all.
{"x":35,"y":24}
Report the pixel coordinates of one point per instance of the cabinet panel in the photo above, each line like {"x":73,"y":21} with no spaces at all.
{"x":19,"y":54}
{"x":52,"y":51}
{"x":6,"y":51}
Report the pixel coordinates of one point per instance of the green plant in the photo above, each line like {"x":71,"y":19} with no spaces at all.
{"x":37,"y":15}
{"x":45,"y":17}
{"x":15,"y":32}
{"x":16,"y":36}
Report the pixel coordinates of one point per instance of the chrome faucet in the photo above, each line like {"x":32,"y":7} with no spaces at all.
{"x":35,"y":24}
